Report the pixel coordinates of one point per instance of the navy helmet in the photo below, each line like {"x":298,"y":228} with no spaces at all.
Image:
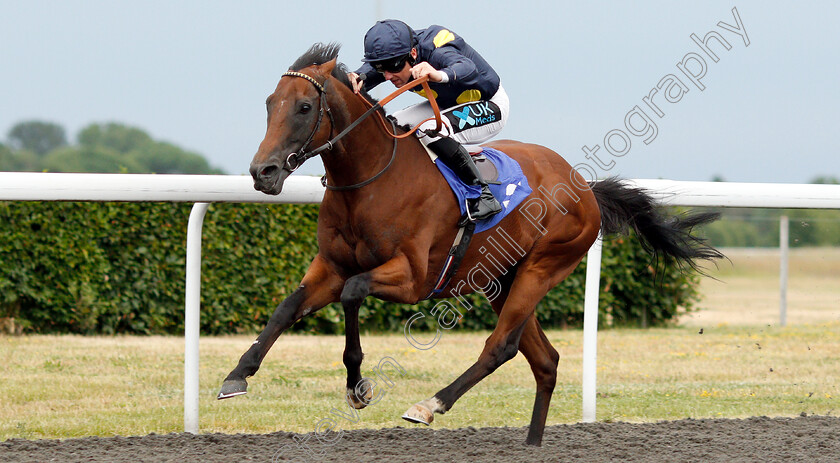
{"x":388,"y":39}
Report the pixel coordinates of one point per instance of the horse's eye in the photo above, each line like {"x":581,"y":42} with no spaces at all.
{"x":305,"y":108}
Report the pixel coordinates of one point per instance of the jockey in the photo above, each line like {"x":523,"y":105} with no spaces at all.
{"x":472,"y":101}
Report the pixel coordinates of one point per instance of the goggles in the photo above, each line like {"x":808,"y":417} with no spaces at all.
{"x":392,"y":65}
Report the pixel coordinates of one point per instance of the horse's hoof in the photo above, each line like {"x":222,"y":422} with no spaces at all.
{"x":233,"y":388}
{"x":419,"y":414}
{"x":359,"y":402}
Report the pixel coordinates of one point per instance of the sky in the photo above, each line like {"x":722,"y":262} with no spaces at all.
{"x":196,"y":73}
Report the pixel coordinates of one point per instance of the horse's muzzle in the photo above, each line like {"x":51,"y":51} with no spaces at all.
{"x":269,"y":177}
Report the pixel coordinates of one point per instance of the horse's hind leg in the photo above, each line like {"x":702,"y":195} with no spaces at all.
{"x":319,"y":287}
{"x":527,"y":289}
{"x":543,"y":359}
{"x":529,"y":286}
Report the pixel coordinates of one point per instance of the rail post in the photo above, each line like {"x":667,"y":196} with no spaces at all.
{"x":784,"y":227}
{"x":192,"y":316}
{"x":590,"y":330}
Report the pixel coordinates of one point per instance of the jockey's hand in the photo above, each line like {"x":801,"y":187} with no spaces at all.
{"x":425,"y":69}
{"x":355,"y":82}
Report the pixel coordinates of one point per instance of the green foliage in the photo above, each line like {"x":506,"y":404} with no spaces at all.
{"x":166,"y":158}
{"x":749,"y":227}
{"x":741,"y":227}
{"x":103,"y":148}
{"x":826,"y":180}
{"x":119,"y":268}
{"x":90,"y":159}
{"x":15,"y":161}
{"x":37,"y":137}
{"x":20,"y":161}
{"x":745,"y":234}
{"x":53,"y":273}
{"x":6,"y":158}
{"x":116,"y":137}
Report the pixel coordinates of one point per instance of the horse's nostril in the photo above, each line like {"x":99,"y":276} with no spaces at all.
{"x":269,"y":171}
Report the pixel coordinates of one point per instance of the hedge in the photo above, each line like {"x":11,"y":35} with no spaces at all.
{"x":107,"y":268}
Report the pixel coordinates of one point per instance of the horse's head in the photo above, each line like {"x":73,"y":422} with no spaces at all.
{"x":296,"y":125}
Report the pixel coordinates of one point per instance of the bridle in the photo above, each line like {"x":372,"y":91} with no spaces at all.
{"x":296,"y":159}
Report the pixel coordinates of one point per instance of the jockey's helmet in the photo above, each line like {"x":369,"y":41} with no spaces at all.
{"x":388,"y":39}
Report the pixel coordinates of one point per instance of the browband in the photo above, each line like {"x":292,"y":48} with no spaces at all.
{"x":307,"y":77}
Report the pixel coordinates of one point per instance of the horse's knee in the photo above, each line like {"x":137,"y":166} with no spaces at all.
{"x":506,"y":348}
{"x":549,"y":364}
{"x":355,"y":290}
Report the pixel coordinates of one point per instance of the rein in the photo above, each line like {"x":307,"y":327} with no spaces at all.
{"x":370,"y":180}
{"x":296,"y":159}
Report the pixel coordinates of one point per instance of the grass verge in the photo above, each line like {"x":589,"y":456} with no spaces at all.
{"x":743,"y":364}
{"x":71,"y":386}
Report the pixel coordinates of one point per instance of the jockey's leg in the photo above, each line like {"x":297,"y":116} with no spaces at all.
{"x":470,"y":124}
{"x":456,"y":157}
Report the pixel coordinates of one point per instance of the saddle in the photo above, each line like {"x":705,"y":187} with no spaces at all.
{"x":487,"y":169}
{"x":505,"y":178}
{"x":507,"y":183}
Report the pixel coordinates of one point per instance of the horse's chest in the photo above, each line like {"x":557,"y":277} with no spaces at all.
{"x":362,"y":249}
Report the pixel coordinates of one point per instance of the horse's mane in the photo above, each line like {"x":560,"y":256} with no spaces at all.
{"x":320,"y":53}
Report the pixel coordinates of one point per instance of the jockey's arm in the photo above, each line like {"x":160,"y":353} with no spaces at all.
{"x":455,"y":65}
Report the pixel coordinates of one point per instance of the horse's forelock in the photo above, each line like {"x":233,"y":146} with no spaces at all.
{"x":317,"y":54}
{"x":320,"y":53}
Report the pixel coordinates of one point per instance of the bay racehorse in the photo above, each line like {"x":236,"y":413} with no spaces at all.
{"x":388,"y":219}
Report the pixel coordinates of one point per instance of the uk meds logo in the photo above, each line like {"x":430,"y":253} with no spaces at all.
{"x":464,"y":118}
{"x":473,"y":115}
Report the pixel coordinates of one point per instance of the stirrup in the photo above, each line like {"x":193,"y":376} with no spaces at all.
{"x":468,"y":216}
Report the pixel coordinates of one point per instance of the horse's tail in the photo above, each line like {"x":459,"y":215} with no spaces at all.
{"x":670,"y":236}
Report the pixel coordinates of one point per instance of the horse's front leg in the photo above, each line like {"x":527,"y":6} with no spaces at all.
{"x":320,"y":286}
{"x":355,"y":290}
{"x":390,"y":280}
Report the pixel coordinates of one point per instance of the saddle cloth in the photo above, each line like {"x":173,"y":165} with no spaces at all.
{"x":512,"y":187}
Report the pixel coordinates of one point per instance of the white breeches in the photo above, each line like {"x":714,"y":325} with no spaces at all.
{"x":470,"y":123}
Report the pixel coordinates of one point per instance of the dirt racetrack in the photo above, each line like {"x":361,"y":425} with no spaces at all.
{"x":805,"y":439}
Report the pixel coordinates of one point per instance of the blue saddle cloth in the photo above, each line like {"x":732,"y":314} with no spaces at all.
{"x":511,"y":191}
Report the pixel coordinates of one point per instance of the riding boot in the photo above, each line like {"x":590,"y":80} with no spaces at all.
{"x":459,"y":160}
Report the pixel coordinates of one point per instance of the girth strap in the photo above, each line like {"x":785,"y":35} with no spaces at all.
{"x":454,"y":258}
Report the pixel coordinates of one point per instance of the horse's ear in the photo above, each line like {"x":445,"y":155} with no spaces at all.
{"x":327,"y":68}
